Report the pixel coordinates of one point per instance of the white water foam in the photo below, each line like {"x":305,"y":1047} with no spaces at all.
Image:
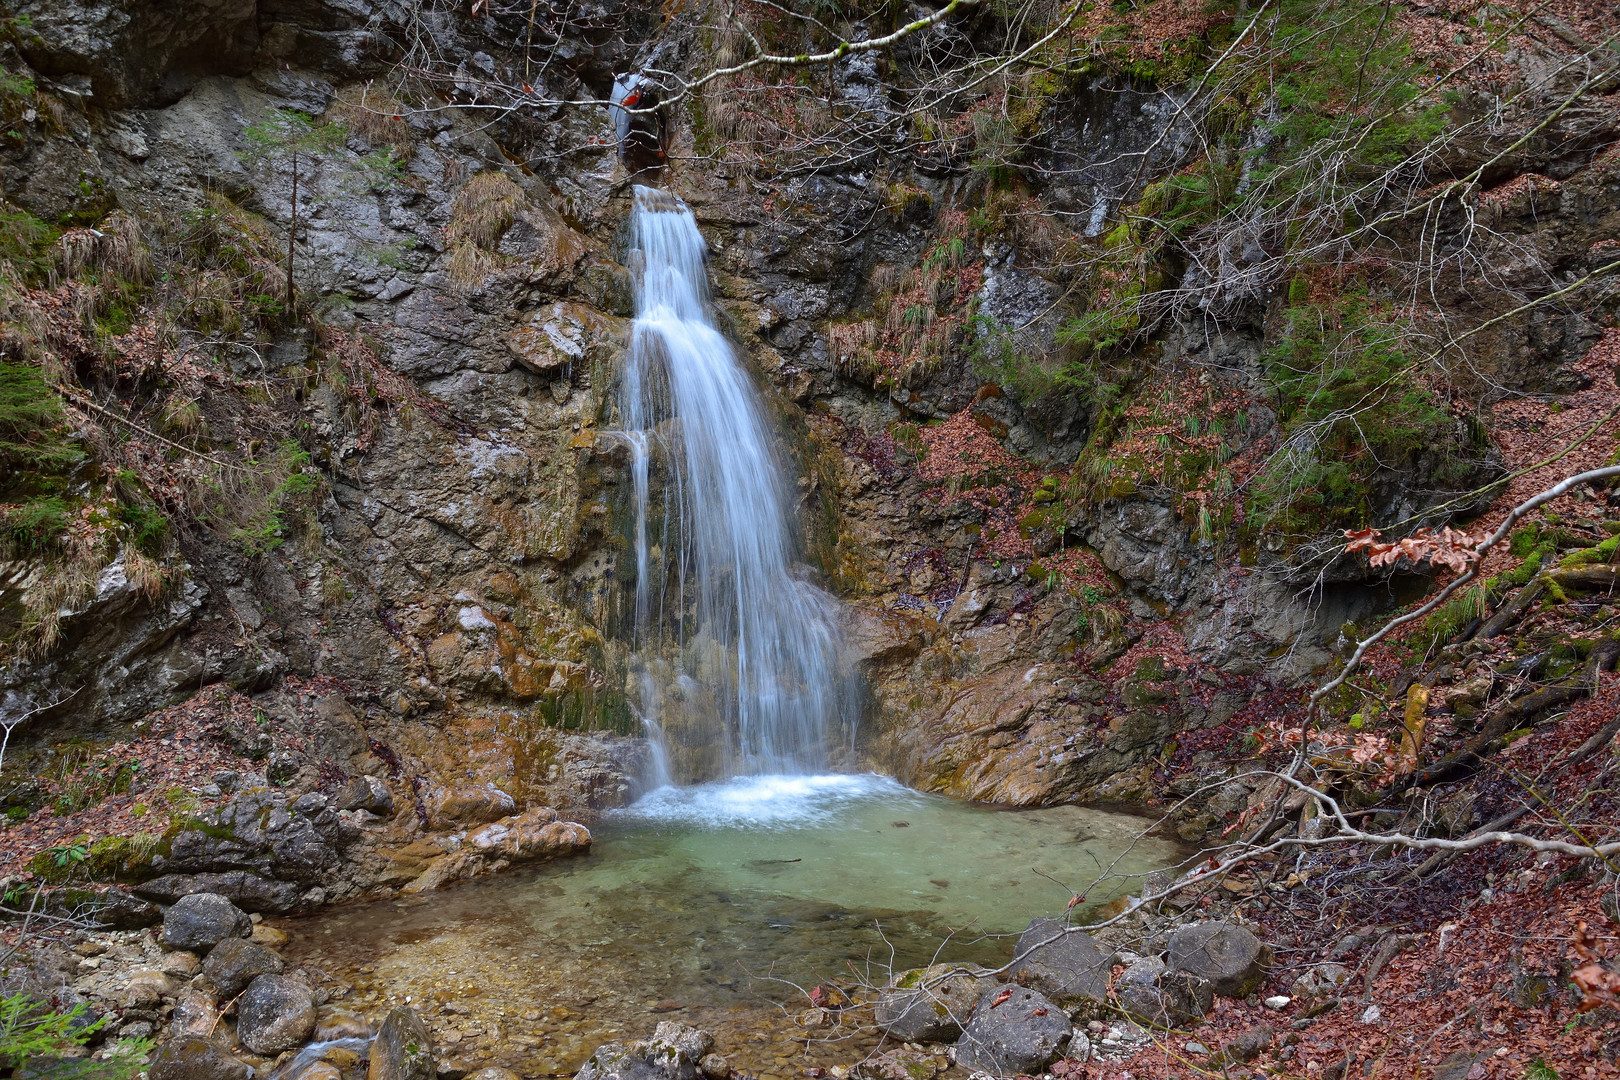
{"x":769,"y":801}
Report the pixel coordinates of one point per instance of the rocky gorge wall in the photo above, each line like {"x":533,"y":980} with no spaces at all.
{"x":438,"y":601}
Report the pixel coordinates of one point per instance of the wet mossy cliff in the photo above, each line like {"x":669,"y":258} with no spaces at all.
{"x":377,"y":501}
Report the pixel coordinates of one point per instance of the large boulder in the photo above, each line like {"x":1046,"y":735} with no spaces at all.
{"x":235,"y":963}
{"x":1152,"y":994}
{"x":250,"y":892}
{"x":402,"y":1050}
{"x":1014,"y":1031}
{"x":268,"y":835}
{"x":193,"y":1057}
{"x":1065,"y":965}
{"x":202,"y":920}
{"x":930,"y":1004}
{"x":534,"y":834}
{"x":1231,"y":958}
{"x":673,"y":1053}
{"x":275,"y":1013}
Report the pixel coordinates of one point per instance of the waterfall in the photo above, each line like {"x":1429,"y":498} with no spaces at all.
{"x":737,"y":653}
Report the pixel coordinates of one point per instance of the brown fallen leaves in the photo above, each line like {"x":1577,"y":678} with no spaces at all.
{"x":1449,"y":548}
{"x":1598,"y":985}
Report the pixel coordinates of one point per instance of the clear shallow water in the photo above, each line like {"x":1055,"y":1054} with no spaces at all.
{"x":698,"y":901}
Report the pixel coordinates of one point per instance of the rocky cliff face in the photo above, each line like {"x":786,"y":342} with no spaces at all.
{"x":437,"y":529}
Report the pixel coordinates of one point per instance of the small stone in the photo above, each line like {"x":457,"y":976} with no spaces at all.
{"x":495,"y":1072}
{"x":180,"y":964}
{"x":90,"y":948}
{"x":715,"y":1067}
{"x":366,"y":793}
{"x":319,"y":1070}
{"x":140,"y":1029}
{"x":1197,"y":1048}
{"x":816,"y":1018}
{"x":1371,"y":1015}
{"x":146,"y":988}
{"x":194,"y":1014}
{"x":673,"y":1053}
{"x":667,"y":1005}
{"x":452,"y":1069}
{"x":268,"y":936}
{"x":1277,"y":1001}
{"x":335,"y":1022}
{"x":1321,"y":981}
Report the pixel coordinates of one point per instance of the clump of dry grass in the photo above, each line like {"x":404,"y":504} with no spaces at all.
{"x":470,"y":265}
{"x":116,"y":249}
{"x":334,"y":591}
{"x":145,"y":573}
{"x":25,"y":328}
{"x":377,"y":116}
{"x":484,"y":209}
{"x":69,"y":583}
{"x":183,"y":417}
{"x":236,"y":273}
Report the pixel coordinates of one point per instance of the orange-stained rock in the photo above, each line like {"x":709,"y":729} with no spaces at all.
{"x":488,"y":654}
{"x":472,"y":804}
{"x":536,"y":834}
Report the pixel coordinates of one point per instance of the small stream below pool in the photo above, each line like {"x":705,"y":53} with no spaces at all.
{"x":706,"y":904}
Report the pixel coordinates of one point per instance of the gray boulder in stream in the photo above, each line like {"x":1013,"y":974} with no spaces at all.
{"x":275,"y":1013}
{"x":235,"y":962}
{"x":1013,"y":1032}
{"x":1065,"y":965}
{"x":672,"y":1053}
{"x":202,"y":920}
{"x":931,"y":1004}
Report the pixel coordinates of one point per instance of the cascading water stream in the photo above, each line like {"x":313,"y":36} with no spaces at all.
{"x":717,"y":580}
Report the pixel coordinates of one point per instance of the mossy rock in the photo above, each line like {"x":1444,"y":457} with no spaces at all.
{"x":123,"y":858}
